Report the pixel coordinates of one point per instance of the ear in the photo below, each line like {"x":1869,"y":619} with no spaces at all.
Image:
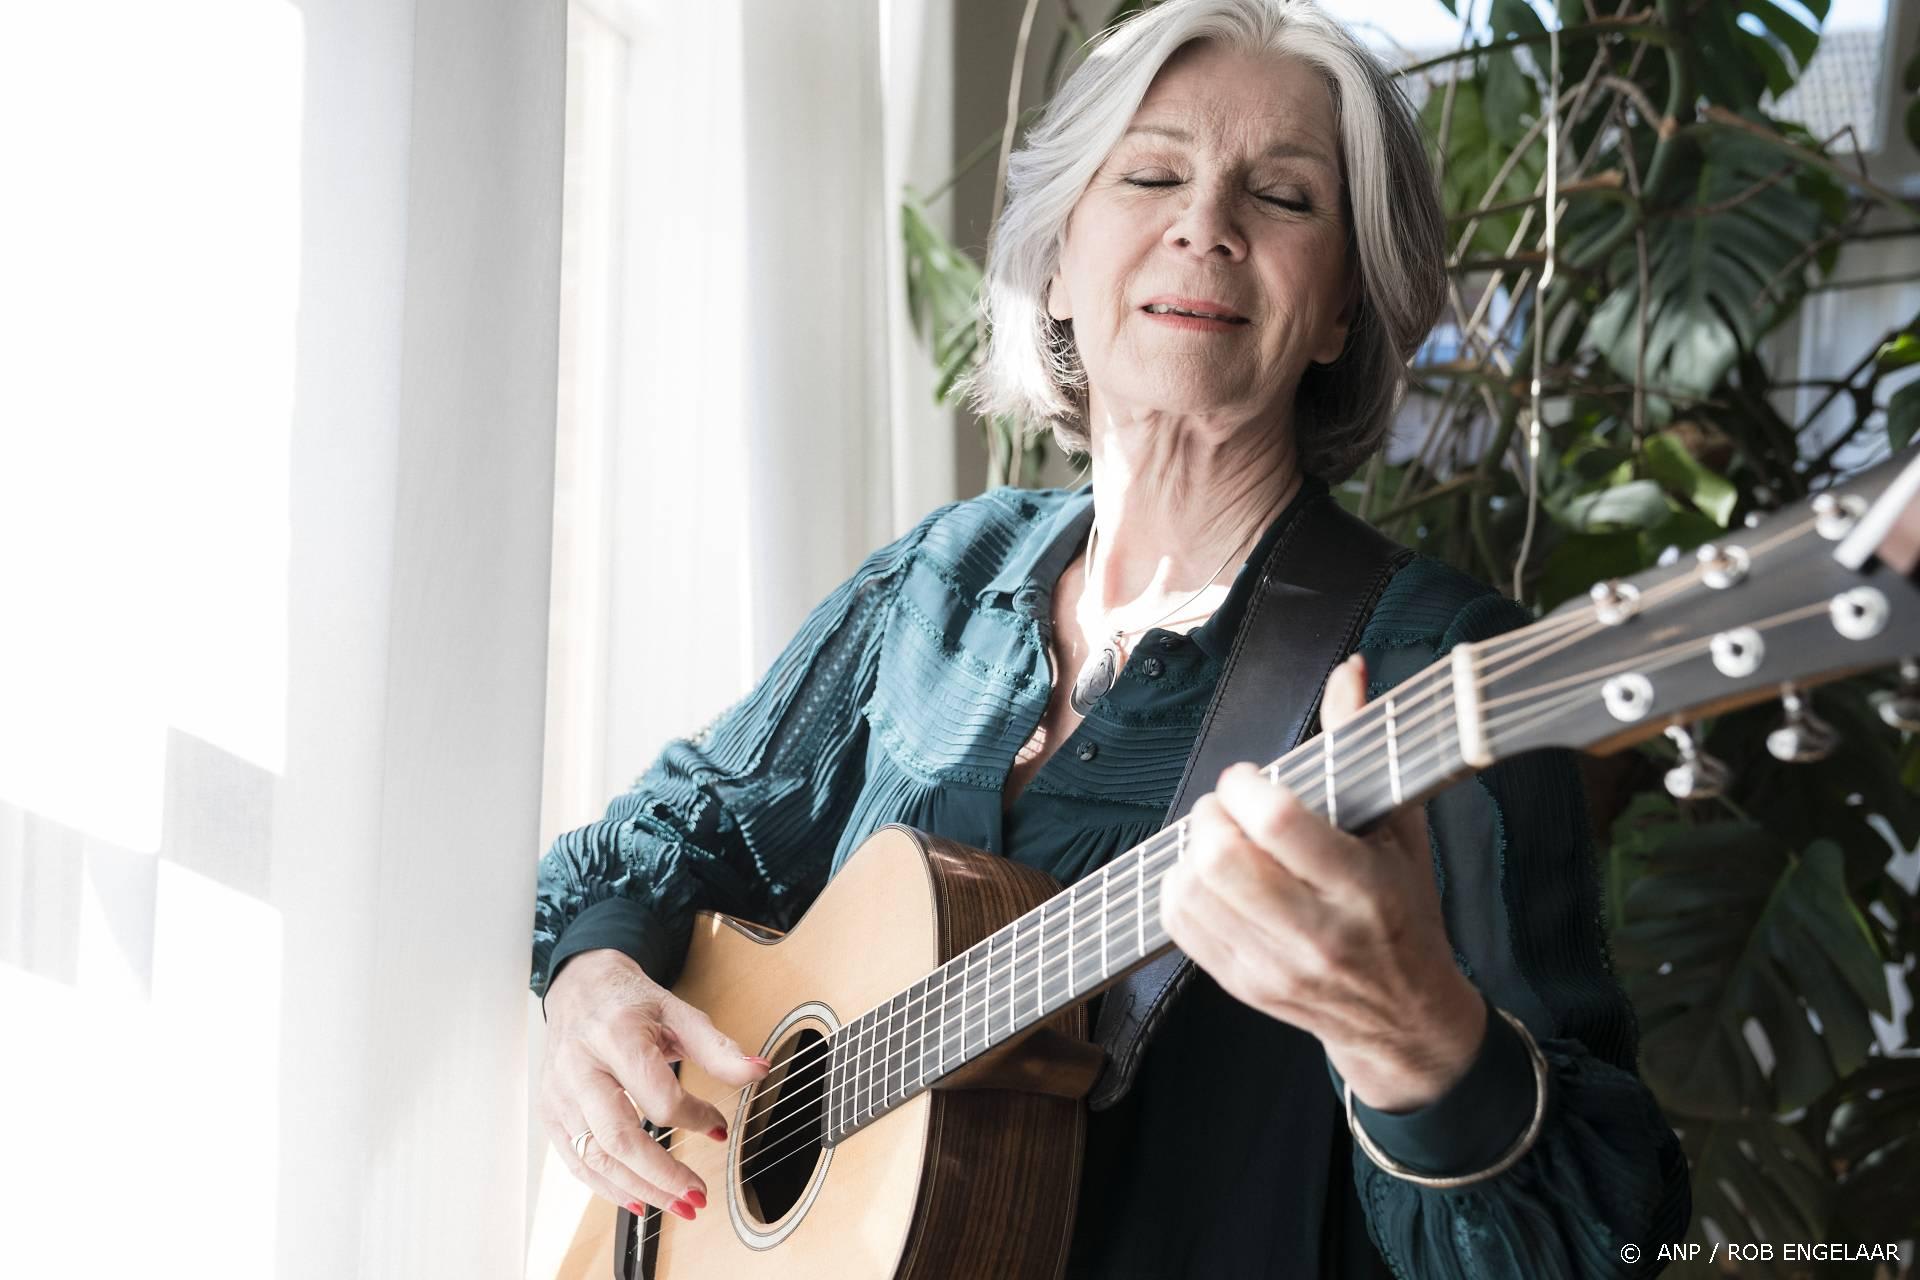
{"x":1059,"y":302}
{"x":1335,"y":341}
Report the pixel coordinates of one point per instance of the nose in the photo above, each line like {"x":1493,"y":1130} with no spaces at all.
{"x":1206,"y":225}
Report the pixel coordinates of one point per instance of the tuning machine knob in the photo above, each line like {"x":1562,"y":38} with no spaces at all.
{"x":1698,"y":776}
{"x":1901,"y":708}
{"x":1804,"y":737}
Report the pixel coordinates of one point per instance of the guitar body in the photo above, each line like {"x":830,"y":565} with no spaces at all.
{"x":975,"y":1177}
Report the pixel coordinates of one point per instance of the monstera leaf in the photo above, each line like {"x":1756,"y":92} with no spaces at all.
{"x":1755,"y":1179}
{"x":1735,"y":62}
{"x":1724,"y":264}
{"x":1727,"y":925}
{"x":1873,"y":1138}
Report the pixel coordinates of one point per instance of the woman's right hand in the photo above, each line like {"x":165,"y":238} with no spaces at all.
{"x":611,"y":1034}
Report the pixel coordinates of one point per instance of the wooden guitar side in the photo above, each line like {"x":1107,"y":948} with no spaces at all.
{"x":970,"y":1179}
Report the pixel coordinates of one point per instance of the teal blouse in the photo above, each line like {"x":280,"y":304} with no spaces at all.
{"x":904,"y":698}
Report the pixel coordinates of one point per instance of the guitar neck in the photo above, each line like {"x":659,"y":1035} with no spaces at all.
{"x":1402,"y":747}
{"x":1811,"y":594}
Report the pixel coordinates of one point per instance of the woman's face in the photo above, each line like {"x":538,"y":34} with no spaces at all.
{"x":1224,"y":191}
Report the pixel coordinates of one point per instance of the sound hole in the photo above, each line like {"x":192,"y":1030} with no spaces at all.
{"x":785,"y":1118}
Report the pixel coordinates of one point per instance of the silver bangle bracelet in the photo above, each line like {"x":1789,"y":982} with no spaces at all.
{"x":1505,"y":1162}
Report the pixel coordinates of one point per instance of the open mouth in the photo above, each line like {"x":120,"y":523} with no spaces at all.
{"x":1167,"y":309}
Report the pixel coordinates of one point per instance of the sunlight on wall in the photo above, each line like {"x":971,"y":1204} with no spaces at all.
{"x":152,"y":1128}
{"x":146,"y":383}
{"x":147,"y":334}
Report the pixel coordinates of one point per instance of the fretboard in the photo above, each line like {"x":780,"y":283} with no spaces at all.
{"x":1401,"y":747}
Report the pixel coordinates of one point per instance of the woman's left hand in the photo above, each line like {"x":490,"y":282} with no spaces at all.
{"x":1339,"y":935}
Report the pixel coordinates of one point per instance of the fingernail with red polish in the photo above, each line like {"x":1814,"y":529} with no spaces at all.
{"x":697,"y":1198}
{"x":718,"y":1133}
{"x":637,"y":1209}
{"x":681,"y":1208}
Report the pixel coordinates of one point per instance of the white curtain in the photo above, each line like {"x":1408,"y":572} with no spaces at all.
{"x":744,"y":414}
{"x":277,"y":362}
{"x":279,"y":352}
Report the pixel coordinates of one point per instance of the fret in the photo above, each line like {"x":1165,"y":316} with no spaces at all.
{"x":1474,"y":744}
{"x":900,"y":1040}
{"x":834,"y":1056}
{"x":941,"y":1021}
{"x":860,"y":1026}
{"x":1326,"y":758}
{"x":959,"y":1023}
{"x":1073,"y":937}
{"x":916,"y":1042}
{"x":993,"y":978}
{"x":1013,"y":974}
{"x":872,"y":1057}
{"x":1040,"y":974}
{"x":1104,"y":921}
{"x":966,"y":998}
{"x":1393,"y":756}
{"x":896,"y":1046}
{"x":850,"y":1034}
{"x":914,"y":1068}
{"x":1062,"y":949}
{"x":929,"y":1058}
{"x":1139,"y":904}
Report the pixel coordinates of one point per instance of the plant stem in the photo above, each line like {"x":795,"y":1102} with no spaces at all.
{"x":1637,"y":26}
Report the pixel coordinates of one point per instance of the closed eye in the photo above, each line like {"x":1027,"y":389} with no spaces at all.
{"x":1297,"y":206}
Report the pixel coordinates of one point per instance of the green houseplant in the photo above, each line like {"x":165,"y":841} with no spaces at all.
{"x":1754,"y":931}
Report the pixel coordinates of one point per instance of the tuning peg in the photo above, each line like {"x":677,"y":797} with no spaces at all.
{"x":1901,"y":708}
{"x":1698,"y":776}
{"x":1804,"y":737}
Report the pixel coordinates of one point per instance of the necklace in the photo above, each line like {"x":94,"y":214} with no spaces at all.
{"x":1102,"y":667}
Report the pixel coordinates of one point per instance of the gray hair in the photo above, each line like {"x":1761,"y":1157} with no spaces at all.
{"x":1031,"y":371}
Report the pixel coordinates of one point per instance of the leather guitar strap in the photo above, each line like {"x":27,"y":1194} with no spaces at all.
{"x":1315,"y":591}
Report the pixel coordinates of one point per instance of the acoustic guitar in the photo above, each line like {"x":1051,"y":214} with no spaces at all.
{"x":926,"y":1019}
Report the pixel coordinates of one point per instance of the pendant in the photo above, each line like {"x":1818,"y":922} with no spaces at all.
{"x":1095,"y":678}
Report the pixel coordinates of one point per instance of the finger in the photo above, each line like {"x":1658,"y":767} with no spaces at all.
{"x":1276,"y":820}
{"x":1407,"y":827}
{"x":1346,"y":693}
{"x":1229,"y":865}
{"x":712,"y":1050}
{"x":635,"y":1058}
{"x":589,"y":1173}
{"x":1249,"y":960}
{"x":617,"y":1133}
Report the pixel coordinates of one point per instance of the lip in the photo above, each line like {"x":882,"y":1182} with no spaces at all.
{"x":1194,"y":304}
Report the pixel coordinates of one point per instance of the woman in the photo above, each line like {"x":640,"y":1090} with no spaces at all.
{"x":1222,"y":246}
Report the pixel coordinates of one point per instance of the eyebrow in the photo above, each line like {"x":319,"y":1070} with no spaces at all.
{"x":1279,"y":149}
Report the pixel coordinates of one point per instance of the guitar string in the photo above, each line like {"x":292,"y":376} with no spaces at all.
{"x":1427,"y":689}
{"x":917,"y":1023}
{"x":1024,"y":982}
{"x":986,"y":951}
{"x":1533,"y":634}
{"x":1139,"y":905}
{"x":992,"y":968}
{"x":1540,"y":714}
{"x":1020,"y":986}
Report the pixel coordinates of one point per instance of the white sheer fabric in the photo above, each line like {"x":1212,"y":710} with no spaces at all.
{"x":275,"y":483}
{"x":279,"y":356}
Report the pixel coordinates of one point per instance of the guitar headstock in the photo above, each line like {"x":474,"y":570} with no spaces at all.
{"x":1816,"y":592}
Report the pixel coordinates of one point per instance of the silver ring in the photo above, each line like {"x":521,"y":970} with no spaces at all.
{"x":580,"y":1143}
